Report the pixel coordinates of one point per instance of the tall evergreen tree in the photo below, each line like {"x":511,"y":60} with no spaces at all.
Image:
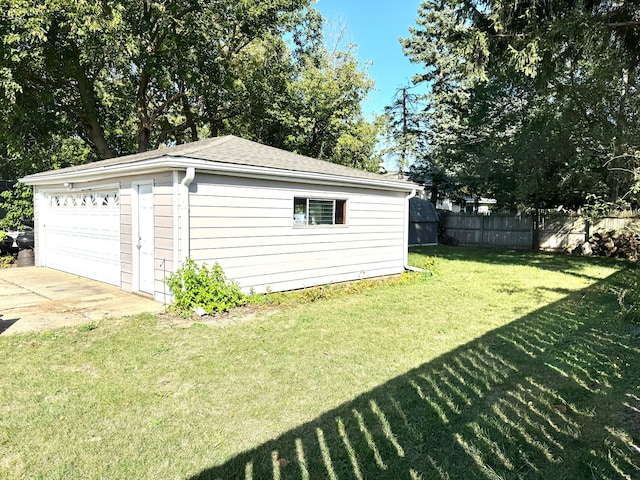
{"x":535,"y":102}
{"x":405,"y":129}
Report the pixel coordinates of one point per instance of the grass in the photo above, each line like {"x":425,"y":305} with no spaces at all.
{"x":7,"y":261}
{"x":503,"y":365}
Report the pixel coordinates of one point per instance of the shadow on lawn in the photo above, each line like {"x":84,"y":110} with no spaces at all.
{"x":556,"y":394}
{"x":5,"y":323}
{"x":553,"y":261}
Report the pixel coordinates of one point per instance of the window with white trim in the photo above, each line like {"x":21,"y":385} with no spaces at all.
{"x":319,"y":211}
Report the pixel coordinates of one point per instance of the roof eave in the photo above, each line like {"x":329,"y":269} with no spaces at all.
{"x":162,"y":164}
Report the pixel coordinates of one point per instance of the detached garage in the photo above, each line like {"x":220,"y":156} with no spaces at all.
{"x":272,"y":219}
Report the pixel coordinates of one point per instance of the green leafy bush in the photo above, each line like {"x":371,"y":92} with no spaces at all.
{"x":195,"y":285}
{"x":19,"y":205}
{"x":5,"y":260}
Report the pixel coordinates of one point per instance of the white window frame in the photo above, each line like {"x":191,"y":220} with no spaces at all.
{"x":301,"y":219}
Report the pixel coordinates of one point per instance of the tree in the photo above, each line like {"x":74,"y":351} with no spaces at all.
{"x":128,"y":76}
{"x":533,"y":102}
{"x":306,"y":97}
{"x":123,"y":77}
{"x":405,"y":128}
{"x":18,"y":204}
{"x":356,"y":146}
{"x":325,"y":117}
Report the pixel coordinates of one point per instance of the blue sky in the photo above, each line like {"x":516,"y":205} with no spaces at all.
{"x":375,"y":26}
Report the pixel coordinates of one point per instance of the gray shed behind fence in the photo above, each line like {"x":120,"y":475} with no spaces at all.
{"x":423,"y":222}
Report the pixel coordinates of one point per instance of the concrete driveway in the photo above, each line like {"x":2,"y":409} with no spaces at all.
{"x":36,"y":299}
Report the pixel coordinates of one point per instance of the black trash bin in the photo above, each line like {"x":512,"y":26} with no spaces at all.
{"x":25,"y":240}
{"x":5,"y":245}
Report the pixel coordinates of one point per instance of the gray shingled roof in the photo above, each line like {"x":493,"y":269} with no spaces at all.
{"x":230,"y":150}
{"x":421,"y":210}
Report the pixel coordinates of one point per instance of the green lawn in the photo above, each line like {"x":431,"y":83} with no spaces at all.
{"x":502,"y":365}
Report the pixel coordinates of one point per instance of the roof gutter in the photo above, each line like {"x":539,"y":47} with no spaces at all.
{"x":190,"y":174}
{"x":220,"y":168}
{"x":406,"y":234}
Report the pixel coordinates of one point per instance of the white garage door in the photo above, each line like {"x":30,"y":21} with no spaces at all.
{"x":81,"y":234}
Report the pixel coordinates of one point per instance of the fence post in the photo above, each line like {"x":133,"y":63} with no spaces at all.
{"x":535,"y":230}
{"x":587,"y":227}
{"x":482,"y":231}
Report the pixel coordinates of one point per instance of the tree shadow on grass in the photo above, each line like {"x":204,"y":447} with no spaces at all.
{"x":555,"y":394}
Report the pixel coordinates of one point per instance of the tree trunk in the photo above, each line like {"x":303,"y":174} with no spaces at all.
{"x":90,"y":117}
{"x":535,"y":234}
{"x":403,"y":152}
{"x":619,"y":142}
{"x":190,"y":120}
{"x":433,"y":198}
{"x":144,"y":121}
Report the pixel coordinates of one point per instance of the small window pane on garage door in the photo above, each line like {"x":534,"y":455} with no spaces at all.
{"x":81,"y":234}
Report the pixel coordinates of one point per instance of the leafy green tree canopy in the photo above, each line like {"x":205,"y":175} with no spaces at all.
{"x":88,"y":80}
{"x":535,"y":103}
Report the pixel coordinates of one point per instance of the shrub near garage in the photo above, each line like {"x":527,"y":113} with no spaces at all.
{"x":6,"y":260}
{"x":196,"y":285}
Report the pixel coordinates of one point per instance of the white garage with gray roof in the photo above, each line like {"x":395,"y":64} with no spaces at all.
{"x":273,"y":220}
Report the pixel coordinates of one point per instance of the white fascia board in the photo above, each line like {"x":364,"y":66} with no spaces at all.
{"x":305,"y":177}
{"x":97,"y":173}
{"x":163,"y":164}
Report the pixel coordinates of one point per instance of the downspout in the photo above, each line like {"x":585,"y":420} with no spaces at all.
{"x":176,"y":220}
{"x":406,"y":234}
{"x":184,"y":207}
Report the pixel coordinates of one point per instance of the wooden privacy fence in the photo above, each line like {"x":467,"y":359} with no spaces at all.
{"x":491,"y":230}
{"x":553,"y":232}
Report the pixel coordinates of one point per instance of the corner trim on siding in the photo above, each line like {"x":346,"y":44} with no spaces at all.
{"x":406,"y":234}
{"x":39,"y":227}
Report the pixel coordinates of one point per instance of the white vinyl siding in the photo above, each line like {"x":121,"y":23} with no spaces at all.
{"x":246,"y":226}
{"x":163,"y":231}
{"x":163,"y":239}
{"x":163,"y":210}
